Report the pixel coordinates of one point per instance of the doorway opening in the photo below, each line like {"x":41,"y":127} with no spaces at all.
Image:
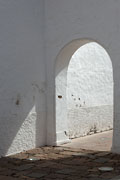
{"x":84,"y":93}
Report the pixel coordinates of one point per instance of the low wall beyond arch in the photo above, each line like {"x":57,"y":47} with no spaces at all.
{"x":89,"y":91}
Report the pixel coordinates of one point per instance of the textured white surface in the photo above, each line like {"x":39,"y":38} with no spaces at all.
{"x":89,"y":91}
{"x":22,"y":76}
{"x":24,"y":24}
{"x":89,"y":120}
{"x":69,"y":21}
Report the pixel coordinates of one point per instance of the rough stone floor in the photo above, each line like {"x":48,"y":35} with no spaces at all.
{"x":60,"y":163}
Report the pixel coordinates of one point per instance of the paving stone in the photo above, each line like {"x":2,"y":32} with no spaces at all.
{"x":106,"y":169}
{"x":103,"y":154}
{"x":93,"y":175}
{"x":91,"y":156}
{"x":95,"y":178}
{"x":101,"y":160}
{"x":8,"y":172}
{"x":93,"y":170}
{"x":80,"y":154}
{"x":8,"y":178}
{"x":65,"y":171}
{"x":36,"y":175}
{"x":24,"y":167}
{"x":67,"y":153}
{"x":79,"y":165}
{"x":33,"y":158}
{"x":85,"y":155}
{"x":116,"y":178}
{"x":107,"y":175}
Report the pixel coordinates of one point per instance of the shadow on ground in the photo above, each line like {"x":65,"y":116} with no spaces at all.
{"x":60,"y":163}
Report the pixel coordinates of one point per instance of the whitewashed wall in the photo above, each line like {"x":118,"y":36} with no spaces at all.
{"x":22,"y":76}
{"x":89,"y":91}
{"x":37,"y":40}
{"x":67,"y":22}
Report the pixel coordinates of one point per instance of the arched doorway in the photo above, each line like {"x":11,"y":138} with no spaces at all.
{"x":84,"y":90}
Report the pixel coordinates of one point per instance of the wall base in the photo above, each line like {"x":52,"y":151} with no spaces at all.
{"x":62,"y":138}
{"x":115,"y":149}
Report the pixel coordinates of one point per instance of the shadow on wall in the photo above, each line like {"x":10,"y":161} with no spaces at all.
{"x":23,"y":125}
{"x":22,"y":76}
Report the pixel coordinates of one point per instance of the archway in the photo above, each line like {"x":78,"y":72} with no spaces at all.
{"x":69,"y":104}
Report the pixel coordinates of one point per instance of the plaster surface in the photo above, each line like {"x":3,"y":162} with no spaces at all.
{"x":37,"y":41}
{"x":22,"y":76}
{"x":89,"y":91}
{"x":66,"y":23}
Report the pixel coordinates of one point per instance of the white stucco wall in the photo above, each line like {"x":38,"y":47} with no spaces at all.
{"x":89,"y":91}
{"x":22,"y":76}
{"x":67,"y":21}
{"x":37,"y":40}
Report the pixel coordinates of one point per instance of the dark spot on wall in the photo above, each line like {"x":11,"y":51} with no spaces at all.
{"x":84,"y":102}
{"x":72,"y":95}
{"x":59,"y":96}
{"x":40,"y":89}
{"x":92,"y":130}
{"x":17,"y":102}
{"x":80,"y":105}
{"x":66,"y":133}
{"x":74,"y":99}
{"x":76,"y":105}
{"x":79,"y":99}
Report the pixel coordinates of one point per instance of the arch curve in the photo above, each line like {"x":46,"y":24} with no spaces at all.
{"x":61,"y":68}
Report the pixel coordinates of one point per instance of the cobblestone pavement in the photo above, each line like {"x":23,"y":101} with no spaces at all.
{"x":60,"y":163}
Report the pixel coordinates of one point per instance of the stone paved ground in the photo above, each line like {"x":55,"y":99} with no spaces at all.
{"x":60,"y":163}
{"x":69,"y":162}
